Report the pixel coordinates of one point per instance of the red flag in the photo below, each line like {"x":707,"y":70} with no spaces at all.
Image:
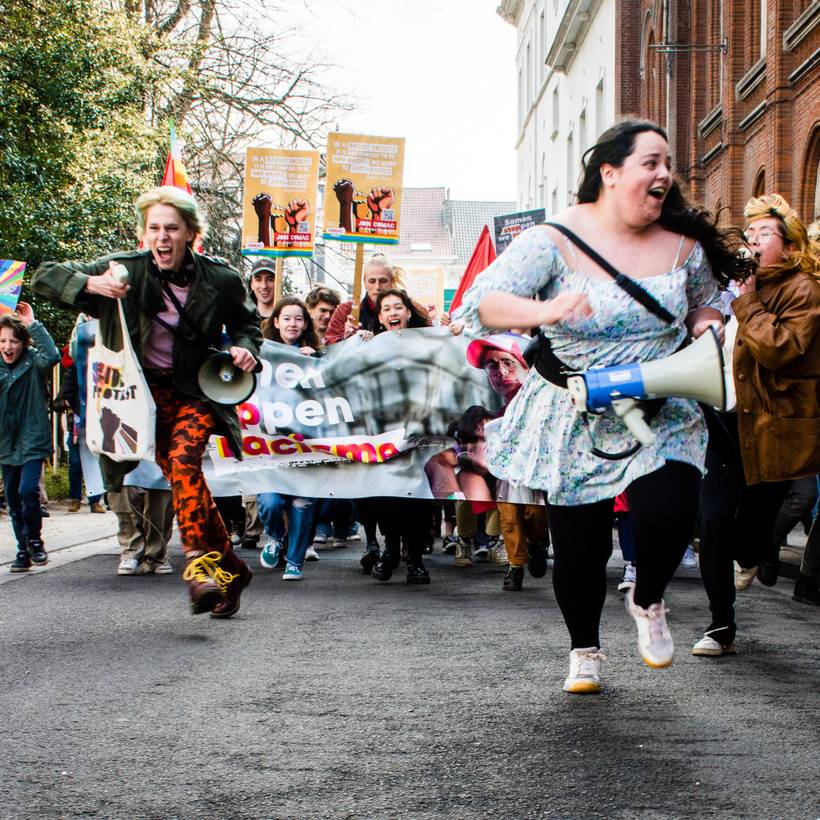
{"x":483,"y":255}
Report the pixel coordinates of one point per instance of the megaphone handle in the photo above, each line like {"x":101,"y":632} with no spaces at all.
{"x":630,"y":411}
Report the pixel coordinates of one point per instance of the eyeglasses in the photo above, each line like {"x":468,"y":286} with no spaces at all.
{"x":507,"y":365}
{"x":763,"y":236}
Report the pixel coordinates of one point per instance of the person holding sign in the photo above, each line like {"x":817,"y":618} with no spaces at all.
{"x":27,"y":354}
{"x":176,"y":303}
{"x":378,"y":274}
{"x":635,"y":218}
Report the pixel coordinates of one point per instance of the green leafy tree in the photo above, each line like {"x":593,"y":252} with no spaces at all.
{"x":75,"y":149}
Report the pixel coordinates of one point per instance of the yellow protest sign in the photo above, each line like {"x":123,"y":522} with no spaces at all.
{"x":279,"y":202}
{"x":363,"y":188}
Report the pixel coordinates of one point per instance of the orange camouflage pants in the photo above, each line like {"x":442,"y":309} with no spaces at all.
{"x":184,"y":426}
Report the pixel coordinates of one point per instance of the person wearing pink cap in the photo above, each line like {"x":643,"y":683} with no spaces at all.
{"x":522,"y":511}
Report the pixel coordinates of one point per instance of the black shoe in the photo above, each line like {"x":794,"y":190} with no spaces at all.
{"x":250,"y":542}
{"x":22,"y":563}
{"x":417,"y":574}
{"x":514,"y":579}
{"x":370,"y":558}
{"x":767,"y":573}
{"x":383,"y":570}
{"x":806,"y":590}
{"x":39,"y":556}
{"x":537,"y":565}
{"x":44,"y":513}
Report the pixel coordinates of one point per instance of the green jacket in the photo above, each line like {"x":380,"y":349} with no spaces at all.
{"x":217,"y":297}
{"x":25,"y":430}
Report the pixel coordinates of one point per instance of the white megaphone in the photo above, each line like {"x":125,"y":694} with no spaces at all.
{"x":223,"y":382}
{"x":696,"y":372}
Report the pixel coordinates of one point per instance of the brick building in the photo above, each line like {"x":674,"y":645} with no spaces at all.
{"x":737,"y":85}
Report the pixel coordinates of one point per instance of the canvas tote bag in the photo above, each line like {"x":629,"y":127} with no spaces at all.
{"x":120,"y":410}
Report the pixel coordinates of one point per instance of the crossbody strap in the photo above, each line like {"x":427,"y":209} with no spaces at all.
{"x":184,"y":319}
{"x":626,"y":283}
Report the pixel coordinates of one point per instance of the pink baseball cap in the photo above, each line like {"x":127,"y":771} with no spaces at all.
{"x":508,"y":342}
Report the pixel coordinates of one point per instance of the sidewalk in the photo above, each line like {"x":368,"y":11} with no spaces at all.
{"x":63,"y":530}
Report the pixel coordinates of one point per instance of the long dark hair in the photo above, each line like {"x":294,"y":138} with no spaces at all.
{"x":416,"y":319}
{"x":722,"y":247}
{"x":308,"y":337}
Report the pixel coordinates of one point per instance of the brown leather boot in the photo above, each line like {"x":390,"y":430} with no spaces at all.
{"x":202,"y":573}
{"x":241,"y":575}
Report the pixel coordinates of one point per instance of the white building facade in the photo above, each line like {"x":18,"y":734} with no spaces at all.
{"x":566,"y":92}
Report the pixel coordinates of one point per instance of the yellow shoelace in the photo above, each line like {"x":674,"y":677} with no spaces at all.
{"x":207,"y":566}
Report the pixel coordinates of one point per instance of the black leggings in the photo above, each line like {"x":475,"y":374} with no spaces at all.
{"x":663,"y":506}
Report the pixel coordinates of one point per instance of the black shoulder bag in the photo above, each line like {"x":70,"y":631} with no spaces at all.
{"x":540,"y":355}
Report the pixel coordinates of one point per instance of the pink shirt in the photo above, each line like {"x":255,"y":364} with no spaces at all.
{"x":158,"y":352}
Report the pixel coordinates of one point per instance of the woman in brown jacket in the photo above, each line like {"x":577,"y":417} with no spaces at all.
{"x":774,"y":436}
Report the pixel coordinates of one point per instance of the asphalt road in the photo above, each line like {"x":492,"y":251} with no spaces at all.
{"x":338,"y":697}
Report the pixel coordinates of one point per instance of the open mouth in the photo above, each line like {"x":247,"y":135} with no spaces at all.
{"x":658,"y":192}
{"x":164,"y":255}
{"x":394,"y":324}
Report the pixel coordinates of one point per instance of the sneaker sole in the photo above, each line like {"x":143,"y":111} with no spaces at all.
{"x":460,"y":562}
{"x":291,"y":577}
{"x":654,"y":665}
{"x":706,"y":652}
{"x":39,"y":563}
{"x":583,"y":688}
{"x":19,"y":569}
{"x":127,"y":572}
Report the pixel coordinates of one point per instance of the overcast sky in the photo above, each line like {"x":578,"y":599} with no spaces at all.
{"x":440,"y":73}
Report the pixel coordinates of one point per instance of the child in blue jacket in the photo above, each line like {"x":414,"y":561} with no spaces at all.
{"x":27,"y":355}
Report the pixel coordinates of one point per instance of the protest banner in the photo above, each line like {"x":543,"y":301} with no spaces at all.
{"x":11,"y":283}
{"x":369,"y":418}
{"x":363,"y":188}
{"x":279,"y":202}
{"x":508,"y":226}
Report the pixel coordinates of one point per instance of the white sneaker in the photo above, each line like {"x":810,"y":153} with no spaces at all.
{"x":319,"y":539}
{"x":165,"y":568}
{"x":584,"y":671}
{"x":690,"y":559}
{"x":630,"y":577}
{"x":498,"y":554}
{"x":311,"y":554}
{"x":708,"y":647}
{"x":744,"y":577}
{"x":481,"y":553}
{"x":654,"y":640}
{"x":128,"y":566}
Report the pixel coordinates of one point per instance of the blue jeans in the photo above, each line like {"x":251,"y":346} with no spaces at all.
{"x":75,"y":473}
{"x":22,"y":483}
{"x":272,"y":509}
{"x":334,"y":515}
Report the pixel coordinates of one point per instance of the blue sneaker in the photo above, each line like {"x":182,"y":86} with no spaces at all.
{"x":292,"y":573}
{"x":269,"y":557}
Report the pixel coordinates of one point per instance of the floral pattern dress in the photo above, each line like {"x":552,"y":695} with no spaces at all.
{"x":541,"y":442}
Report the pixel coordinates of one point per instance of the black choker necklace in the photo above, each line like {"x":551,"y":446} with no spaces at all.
{"x":181,"y":278}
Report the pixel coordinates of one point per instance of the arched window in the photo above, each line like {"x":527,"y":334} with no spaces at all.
{"x":810,"y":199}
{"x":759,"y":188}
